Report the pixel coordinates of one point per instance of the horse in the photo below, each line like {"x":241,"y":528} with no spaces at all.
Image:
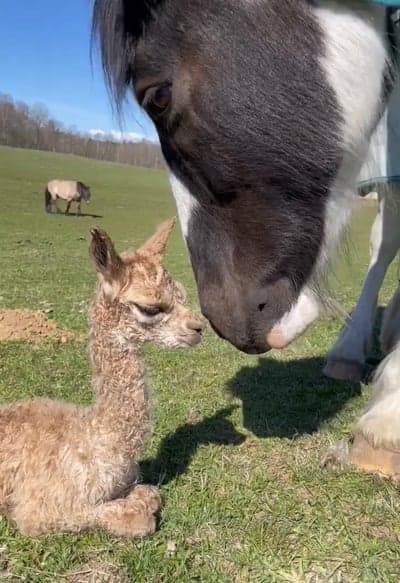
{"x":264,"y":112}
{"x":69,"y":190}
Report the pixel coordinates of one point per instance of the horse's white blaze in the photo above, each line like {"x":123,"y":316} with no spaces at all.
{"x":185,"y":202}
{"x":294,"y":323}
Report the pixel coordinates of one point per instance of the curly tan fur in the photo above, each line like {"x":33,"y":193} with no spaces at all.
{"x":70,"y":468}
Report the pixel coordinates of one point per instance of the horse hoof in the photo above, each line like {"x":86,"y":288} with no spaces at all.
{"x":337,"y":455}
{"x":374,"y":460}
{"x":344,"y":370}
{"x":361,"y":455}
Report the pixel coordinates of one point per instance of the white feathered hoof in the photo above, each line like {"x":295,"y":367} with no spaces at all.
{"x":337,"y":455}
{"x":344,"y":370}
{"x":375,"y":460}
{"x":359,"y":454}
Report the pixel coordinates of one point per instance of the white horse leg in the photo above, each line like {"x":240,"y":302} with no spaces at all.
{"x":379,"y":424}
{"x":376,"y":443}
{"x":375,"y":447}
{"x":346,"y":359}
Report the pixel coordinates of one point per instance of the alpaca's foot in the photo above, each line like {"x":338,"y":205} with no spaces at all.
{"x":133,"y":516}
{"x":362,"y":455}
{"x":36,"y":521}
{"x":150,"y":496}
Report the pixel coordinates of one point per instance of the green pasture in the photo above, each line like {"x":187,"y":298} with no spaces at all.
{"x":236,"y":440}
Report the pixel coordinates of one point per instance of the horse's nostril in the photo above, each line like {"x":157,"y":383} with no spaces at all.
{"x":261,"y":306}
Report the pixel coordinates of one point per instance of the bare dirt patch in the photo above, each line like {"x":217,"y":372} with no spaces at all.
{"x":31,"y":326}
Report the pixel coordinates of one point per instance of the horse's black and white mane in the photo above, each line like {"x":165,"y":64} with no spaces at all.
{"x":264,"y":112}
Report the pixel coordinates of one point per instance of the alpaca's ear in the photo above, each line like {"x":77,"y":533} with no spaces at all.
{"x":157,"y":243}
{"x":106,"y":260}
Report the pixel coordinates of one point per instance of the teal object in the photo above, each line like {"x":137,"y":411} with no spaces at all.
{"x":389,"y":3}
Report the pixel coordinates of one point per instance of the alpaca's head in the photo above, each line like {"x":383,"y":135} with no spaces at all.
{"x":138,"y":298}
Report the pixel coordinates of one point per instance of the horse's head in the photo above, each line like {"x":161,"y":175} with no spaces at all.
{"x":251,"y":128}
{"x":86,"y":194}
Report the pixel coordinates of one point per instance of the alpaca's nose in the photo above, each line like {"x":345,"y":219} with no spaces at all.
{"x":195,"y":325}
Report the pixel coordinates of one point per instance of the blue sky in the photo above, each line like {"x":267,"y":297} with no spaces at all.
{"x":45,"y":57}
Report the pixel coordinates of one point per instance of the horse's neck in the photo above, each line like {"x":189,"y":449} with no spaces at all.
{"x":362,"y":25}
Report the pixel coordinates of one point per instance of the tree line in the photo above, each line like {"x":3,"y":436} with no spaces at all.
{"x":24,"y":126}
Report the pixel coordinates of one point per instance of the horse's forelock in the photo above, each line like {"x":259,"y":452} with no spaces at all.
{"x":117,"y":26}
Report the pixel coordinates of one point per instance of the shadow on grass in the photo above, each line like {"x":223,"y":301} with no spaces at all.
{"x":81,"y":215}
{"x":289,"y":398}
{"x":177,"y":449}
{"x":279,"y":399}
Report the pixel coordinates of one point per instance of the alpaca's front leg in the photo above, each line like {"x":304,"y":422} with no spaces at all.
{"x":36,"y":519}
{"x":133,"y":516}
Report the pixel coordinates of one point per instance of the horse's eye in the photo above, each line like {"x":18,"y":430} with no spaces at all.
{"x":157,"y":99}
{"x":149,"y":310}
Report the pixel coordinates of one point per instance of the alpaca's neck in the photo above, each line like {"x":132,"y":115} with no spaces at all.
{"x":120,"y":410}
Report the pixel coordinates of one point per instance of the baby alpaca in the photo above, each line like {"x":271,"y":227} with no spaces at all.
{"x":70,"y":468}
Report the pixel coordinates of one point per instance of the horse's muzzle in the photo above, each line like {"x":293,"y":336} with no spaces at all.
{"x":276,"y":339}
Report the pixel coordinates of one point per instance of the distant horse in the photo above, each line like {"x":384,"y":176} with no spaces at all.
{"x":69,"y":190}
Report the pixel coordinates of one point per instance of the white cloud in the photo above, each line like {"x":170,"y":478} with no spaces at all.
{"x":117,"y":136}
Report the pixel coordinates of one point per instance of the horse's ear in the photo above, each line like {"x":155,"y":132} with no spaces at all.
{"x":158,"y":241}
{"x":106,"y":260}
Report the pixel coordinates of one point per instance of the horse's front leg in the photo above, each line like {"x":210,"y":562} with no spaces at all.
{"x":79,"y":211}
{"x":68,"y":207}
{"x":347,"y":358}
{"x":375,"y":445}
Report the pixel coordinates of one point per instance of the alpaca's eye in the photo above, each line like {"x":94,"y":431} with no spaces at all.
{"x":157,"y":99}
{"x":149,"y":310}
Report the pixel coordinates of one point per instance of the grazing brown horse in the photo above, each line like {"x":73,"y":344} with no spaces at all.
{"x":69,"y":190}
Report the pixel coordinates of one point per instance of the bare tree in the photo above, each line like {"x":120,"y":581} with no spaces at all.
{"x":22,"y":126}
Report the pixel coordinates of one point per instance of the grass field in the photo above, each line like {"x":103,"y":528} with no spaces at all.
{"x":236,"y":440}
